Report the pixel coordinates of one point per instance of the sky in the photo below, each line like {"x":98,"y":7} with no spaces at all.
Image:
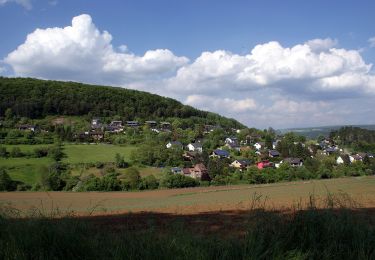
{"x":265,"y":63}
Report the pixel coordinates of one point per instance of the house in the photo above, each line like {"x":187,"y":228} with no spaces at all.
{"x":199,"y":171}
{"x":339,"y":160}
{"x":233,"y":146}
{"x":231,"y":140}
{"x":195,"y":147}
{"x":165,"y":126}
{"x":114,"y":129}
{"x":273,"y":153}
{"x":189,"y":156}
{"x":240,"y":164}
{"x":151,"y":124}
{"x":95,"y":123}
{"x":265,"y":164}
{"x":259,"y":145}
{"x":176,"y":170}
{"x":355,"y":158}
{"x":329,"y":150}
{"x":97,"y":135}
{"x":174,"y":144}
{"x":27,"y":127}
{"x":370,"y":155}
{"x":132,"y":123}
{"x":115,"y":123}
{"x":220,"y":153}
{"x":294,"y":161}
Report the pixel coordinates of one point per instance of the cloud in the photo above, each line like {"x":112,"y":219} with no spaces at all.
{"x":81,"y":52}
{"x":314,"y":66}
{"x":220,"y":105}
{"x":372,"y":42}
{"x":25,"y":3}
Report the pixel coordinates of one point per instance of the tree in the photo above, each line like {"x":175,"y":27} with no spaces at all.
{"x":120,"y":162}
{"x":8,"y":114}
{"x":268,"y":141}
{"x":16,"y":152}
{"x":6,"y":183}
{"x":131,"y":179}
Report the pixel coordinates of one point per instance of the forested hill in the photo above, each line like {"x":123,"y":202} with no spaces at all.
{"x":36,"y":98}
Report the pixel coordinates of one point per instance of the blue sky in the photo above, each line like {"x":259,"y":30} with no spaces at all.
{"x":265,"y":63}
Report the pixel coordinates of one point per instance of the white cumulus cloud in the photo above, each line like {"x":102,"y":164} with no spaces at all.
{"x":311,"y":65}
{"x":81,"y":52}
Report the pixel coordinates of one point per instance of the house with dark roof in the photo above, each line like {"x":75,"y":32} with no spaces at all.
{"x":220,"y":153}
{"x":273,"y":153}
{"x":231,"y":140}
{"x":293,"y":161}
{"x":132,"y":123}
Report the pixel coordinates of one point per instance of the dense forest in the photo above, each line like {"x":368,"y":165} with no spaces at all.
{"x":34,"y":98}
{"x":357,"y":138}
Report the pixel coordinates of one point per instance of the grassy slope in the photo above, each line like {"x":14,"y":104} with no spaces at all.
{"x":82,"y":153}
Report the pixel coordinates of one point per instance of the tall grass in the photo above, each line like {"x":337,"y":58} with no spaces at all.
{"x":331,"y":228}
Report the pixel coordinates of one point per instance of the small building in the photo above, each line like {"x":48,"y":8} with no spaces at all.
{"x":231,"y":140}
{"x":195,"y":147}
{"x":116,"y":123}
{"x":233,"y":146}
{"x":220,"y":153}
{"x":176,"y":170}
{"x":174,"y":144}
{"x":355,"y":158}
{"x":294,"y":161}
{"x":199,"y":171}
{"x":259,"y":145}
{"x":339,"y":160}
{"x":132,"y":123}
{"x":329,"y":150}
{"x":27,"y":127}
{"x":240,"y":164}
{"x":151,"y":123}
{"x":265,"y":164}
{"x":165,"y":126}
{"x":97,"y":135}
{"x":273,"y":154}
{"x":95,"y":123}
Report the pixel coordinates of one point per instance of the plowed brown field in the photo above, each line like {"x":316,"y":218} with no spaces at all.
{"x":190,"y":200}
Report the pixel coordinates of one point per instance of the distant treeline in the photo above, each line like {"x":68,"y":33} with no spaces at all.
{"x":34,"y":98}
{"x":358,"y":138}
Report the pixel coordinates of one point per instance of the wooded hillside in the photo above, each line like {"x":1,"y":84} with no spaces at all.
{"x":36,"y":98}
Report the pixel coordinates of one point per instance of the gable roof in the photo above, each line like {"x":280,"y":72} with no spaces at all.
{"x":293,"y":160}
{"x":274,"y":153}
{"x":175,"y":143}
{"x":196,"y":145}
{"x":220,"y":152}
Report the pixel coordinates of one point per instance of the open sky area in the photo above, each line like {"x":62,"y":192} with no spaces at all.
{"x":265,"y":63}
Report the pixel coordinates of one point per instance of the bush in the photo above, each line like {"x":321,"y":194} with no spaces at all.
{"x":178,"y":181}
{"x":130,"y":179}
{"x":149,"y":183}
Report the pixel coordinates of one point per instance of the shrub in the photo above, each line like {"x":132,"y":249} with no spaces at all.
{"x":178,"y":181}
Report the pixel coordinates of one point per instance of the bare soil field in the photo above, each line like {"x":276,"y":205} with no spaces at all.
{"x":190,"y":200}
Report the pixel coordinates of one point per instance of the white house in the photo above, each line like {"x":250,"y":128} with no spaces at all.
{"x":176,"y":144}
{"x":258,"y":146}
{"x":339,"y":160}
{"x":195,"y":147}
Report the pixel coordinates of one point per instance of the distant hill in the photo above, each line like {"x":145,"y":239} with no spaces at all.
{"x":314,"y":132}
{"x":36,"y":98}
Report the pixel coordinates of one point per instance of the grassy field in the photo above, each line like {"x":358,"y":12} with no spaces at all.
{"x":25,"y":147}
{"x":193,"y":200}
{"x":26,"y":170}
{"x":91,"y":153}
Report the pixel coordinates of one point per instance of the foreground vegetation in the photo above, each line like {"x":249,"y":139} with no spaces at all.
{"x":332,"y":232}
